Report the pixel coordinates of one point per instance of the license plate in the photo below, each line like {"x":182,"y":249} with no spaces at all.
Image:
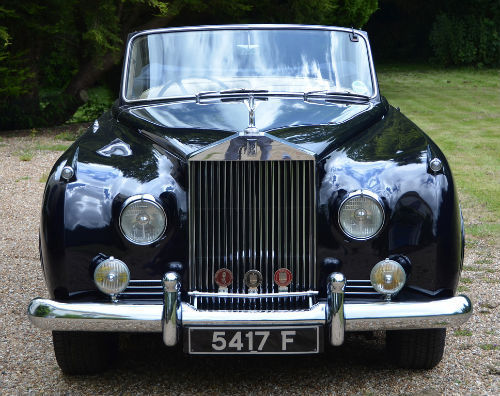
{"x":246,"y":340}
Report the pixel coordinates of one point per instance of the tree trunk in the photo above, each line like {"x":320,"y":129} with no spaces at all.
{"x":75,"y":95}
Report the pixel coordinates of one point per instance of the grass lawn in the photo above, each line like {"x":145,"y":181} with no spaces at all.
{"x":460,"y":110}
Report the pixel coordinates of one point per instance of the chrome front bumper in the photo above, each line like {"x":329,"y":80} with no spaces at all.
{"x":169,"y":318}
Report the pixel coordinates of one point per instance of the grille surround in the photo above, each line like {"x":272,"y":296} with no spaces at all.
{"x":261,"y":214}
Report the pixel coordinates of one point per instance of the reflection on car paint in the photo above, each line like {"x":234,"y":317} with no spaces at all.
{"x":116,"y":147}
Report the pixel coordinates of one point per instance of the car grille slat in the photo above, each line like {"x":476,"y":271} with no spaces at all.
{"x":251,"y":215}
{"x":360,"y":288}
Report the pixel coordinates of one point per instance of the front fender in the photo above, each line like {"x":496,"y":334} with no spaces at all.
{"x":80,"y":217}
{"x":422,"y":215}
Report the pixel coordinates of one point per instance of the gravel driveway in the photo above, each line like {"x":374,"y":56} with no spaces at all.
{"x":471,"y":364}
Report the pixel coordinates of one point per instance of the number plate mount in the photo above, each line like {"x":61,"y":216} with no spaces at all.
{"x":253,"y":340}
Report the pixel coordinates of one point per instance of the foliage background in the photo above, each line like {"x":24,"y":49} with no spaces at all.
{"x":60,"y":60}
{"x":444,"y":32}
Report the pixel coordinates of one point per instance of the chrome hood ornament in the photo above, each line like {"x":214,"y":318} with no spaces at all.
{"x":251,"y":129}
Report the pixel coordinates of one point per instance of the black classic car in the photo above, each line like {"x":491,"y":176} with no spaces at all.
{"x":250,"y":192}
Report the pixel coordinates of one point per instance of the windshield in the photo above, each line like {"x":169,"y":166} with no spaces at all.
{"x":185,"y":63}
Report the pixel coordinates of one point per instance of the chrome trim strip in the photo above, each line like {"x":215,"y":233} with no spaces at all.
{"x":192,"y":225}
{"x":361,"y":293}
{"x":273,"y":217}
{"x":122,"y":317}
{"x":360,"y":287}
{"x":349,"y":281}
{"x":153,"y":287}
{"x":304,"y":259}
{"x":171,"y":300}
{"x":192,"y":317}
{"x":312,"y":233}
{"x":254,"y":295}
{"x":238,"y":251}
{"x":134,"y":281}
{"x":202,"y":212}
{"x":157,"y":282}
{"x":217,"y":295}
{"x":129,"y":287}
{"x":249,"y":26}
{"x":134,"y":293}
{"x":335,"y":308}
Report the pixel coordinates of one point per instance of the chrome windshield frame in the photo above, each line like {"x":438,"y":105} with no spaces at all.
{"x":134,"y":36}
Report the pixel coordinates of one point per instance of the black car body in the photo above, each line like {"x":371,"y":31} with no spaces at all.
{"x":251,"y":207}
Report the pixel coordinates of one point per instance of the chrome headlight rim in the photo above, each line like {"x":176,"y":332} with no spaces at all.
{"x":361,"y":193}
{"x":151,"y":199}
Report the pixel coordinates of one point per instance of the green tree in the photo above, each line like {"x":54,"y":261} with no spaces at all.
{"x":52,"y":52}
{"x":452,"y":32}
{"x":467,"y":33}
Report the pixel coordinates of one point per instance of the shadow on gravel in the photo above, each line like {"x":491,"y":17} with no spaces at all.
{"x":144,"y":361}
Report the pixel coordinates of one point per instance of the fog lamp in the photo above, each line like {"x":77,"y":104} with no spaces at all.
{"x":111,"y":276}
{"x":388,"y":277}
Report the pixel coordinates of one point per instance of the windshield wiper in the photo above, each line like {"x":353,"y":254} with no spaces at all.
{"x":236,"y":91}
{"x":199,"y":95}
{"x":243,"y":91}
{"x":340,"y":94}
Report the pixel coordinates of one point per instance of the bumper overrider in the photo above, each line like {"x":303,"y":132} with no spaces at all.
{"x":170,"y":317}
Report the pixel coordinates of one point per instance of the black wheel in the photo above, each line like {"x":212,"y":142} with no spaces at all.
{"x":416,"y":349}
{"x":84,"y":352}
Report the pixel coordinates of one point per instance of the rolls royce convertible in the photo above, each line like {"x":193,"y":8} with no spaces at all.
{"x":252,"y":193}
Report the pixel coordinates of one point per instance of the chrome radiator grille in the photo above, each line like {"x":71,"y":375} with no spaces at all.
{"x":252,"y":215}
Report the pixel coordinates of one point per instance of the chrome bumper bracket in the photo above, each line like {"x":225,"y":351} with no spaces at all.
{"x":171,"y":303}
{"x":335,"y":308}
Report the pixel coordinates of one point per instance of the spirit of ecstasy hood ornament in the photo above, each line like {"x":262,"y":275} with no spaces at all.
{"x":251,"y":129}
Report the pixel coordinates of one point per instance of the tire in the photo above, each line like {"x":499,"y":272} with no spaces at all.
{"x":416,"y":349}
{"x":84,"y":352}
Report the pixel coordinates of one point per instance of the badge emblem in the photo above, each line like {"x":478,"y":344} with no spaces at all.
{"x":223,"y":277}
{"x":253,"y":279}
{"x":283,"y":277}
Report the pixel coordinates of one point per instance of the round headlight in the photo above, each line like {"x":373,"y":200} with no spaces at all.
{"x":142,"y":220}
{"x":388,"y":277}
{"x":361,"y":215}
{"x":111,"y":276}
